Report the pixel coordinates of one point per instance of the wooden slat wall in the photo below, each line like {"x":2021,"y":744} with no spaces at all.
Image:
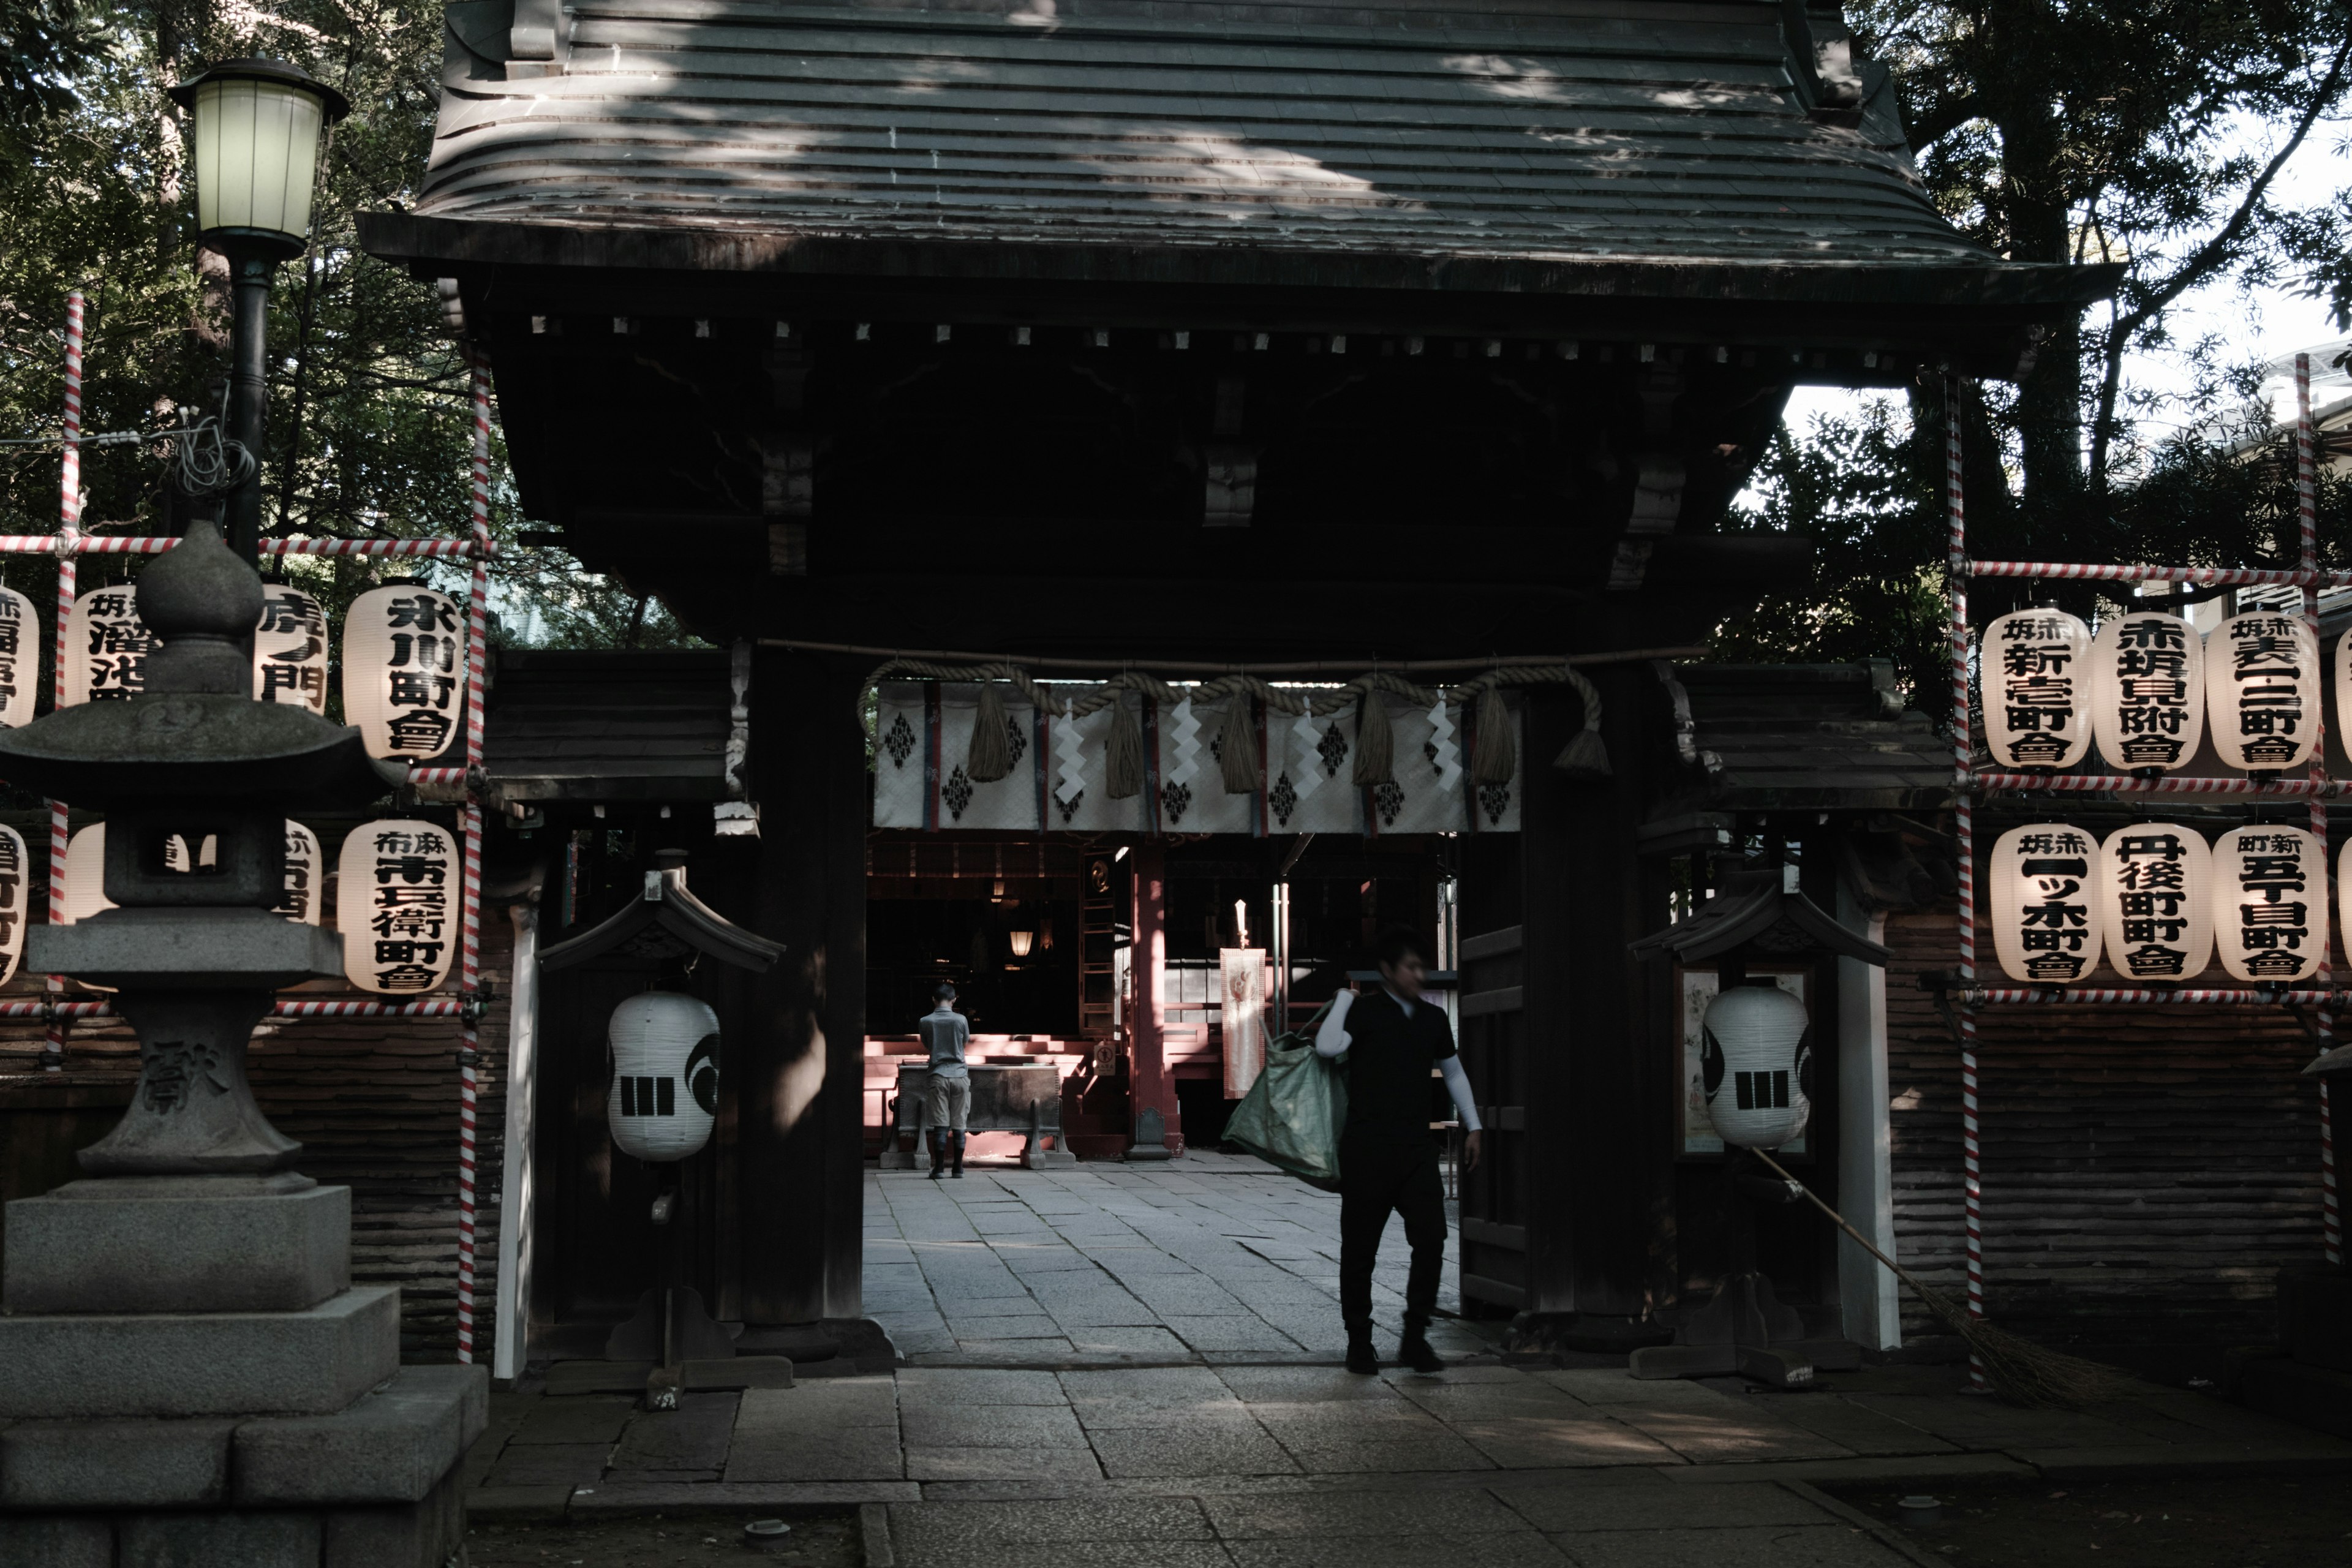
{"x":2146,"y":1171}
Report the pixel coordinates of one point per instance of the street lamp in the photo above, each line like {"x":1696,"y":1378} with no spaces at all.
{"x":257,"y":128}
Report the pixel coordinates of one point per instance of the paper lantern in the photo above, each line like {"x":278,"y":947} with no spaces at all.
{"x":664,"y":1075}
{"x":16,"y":894}
{"x":2270,"y":903}
{"x":289,"y":649}
{"x":2036,"y":668}
{"x":2262,"y":689}
{"x":2147,"y":691}
{"x":396,"y":905}
{"x":301,"y":900}
{"x":20,"y":659}
{"x":1756,"y":1065}
{"x":404,"y":671}
{"x":2156,"y":901}
{"x":2045,"y":925}
{"x":106,"y":647}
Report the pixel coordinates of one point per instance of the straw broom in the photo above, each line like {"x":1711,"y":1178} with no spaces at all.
{"x":2020,"y":1371}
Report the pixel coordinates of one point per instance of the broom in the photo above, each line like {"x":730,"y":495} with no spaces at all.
{"x":2020,"y":1371}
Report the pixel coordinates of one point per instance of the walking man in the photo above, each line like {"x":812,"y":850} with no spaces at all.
{"x":945,"y":1035}
{"x":1388,"y":1151}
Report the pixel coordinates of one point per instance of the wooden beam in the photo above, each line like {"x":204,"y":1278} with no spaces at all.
{"x":1148,"y":1083}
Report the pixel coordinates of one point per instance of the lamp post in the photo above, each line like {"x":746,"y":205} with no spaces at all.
{"x":259,"y":124}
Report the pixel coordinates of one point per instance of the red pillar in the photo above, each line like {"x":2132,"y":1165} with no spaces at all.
{"x":1148,"y":1082}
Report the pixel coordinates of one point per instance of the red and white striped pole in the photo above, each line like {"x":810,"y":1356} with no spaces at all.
{"x":469,"y":908}
{"x":2307,"y":507}
{"x":1963,"y":751}
{"x":53,"y":1053}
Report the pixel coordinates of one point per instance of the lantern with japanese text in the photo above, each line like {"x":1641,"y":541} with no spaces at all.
{"x":1757,"y":1064}
{"x":106,"y":647}
{"x":2156,"y":901}
{"x":15,"y":896}
{"x":301,"y":900}
{"x":20,"y":659}
{"x":2036,"y":667}
{"x":396,"y":906}
{"x":2270,"y":904}
{"x":289,"y":648}
{"x":2045,"y":929}
{"x":404,"y":671}
{"x":664,"y":1075}
{"x":2262,"y":691}
{"x":2147,"y":691}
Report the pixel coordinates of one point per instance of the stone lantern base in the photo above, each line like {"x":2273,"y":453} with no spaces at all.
{"x":187,"y":1375}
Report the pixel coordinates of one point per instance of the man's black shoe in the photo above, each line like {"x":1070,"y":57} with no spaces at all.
{"x":1361,"y":1357}
{"x":1414,"y":1353}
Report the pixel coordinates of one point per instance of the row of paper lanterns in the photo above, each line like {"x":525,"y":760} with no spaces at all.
{"x":2160,"y":903}
{"x":2148,"y":687}
{"x":396,"y":904}
{"x":405,"y":661}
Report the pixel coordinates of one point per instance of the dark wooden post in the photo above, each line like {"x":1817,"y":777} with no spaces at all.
{"x":1148,"y":1082}
{"x":800,"y":1144}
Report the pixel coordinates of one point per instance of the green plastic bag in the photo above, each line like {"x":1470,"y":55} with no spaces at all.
{"x":1292,"y":1115}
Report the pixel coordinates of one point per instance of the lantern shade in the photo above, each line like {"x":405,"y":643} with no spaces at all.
{"x":2270,"y":904}
{"x":2262,"y":689}
{"x":303,"y":873}
{"x":20,"y":659}
{"x":289,"y":649}
{"x":404,"y":671}
{"x":2036,"y":668}
{"x":1756,"y":1065}
{"x":2147,"y":691}
{"x":2045,"y":923}
{"x":15,"y":898}
{"x":664,"y":1075}
{"x":258,"y":126}
{"x":1023,"y":941}
{"x":2156,"y":901}
{"x":396,"y":905}
{"x":106,"y":647}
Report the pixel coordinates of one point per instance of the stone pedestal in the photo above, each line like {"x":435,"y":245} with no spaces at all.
{"x":187,"y":1375}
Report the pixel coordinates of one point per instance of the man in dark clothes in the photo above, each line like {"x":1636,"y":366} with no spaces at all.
{"x":1388,"y":1151}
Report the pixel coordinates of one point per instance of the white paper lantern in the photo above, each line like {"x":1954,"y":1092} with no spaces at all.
{"x":2046,"y":923}
{"x":2036,"y":668}
{"x":664,"y":1075}
{"x":106,"y":647}
{"x":396,"y":905}
{"x":2156,"y":901}
{"x":1755,"y":1059}
{"x":16,"y":894}
{"x":303,"y":871}
{"x":2270,"y":903}
{"x":20,"y":659}
{"x":289,"y":649}
{"x":404,"y":671}
{"x":2147,"y":691}
{"x":2262,"y":689}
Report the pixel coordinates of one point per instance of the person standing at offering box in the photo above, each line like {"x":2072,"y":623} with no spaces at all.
{"x":946,"y":1035}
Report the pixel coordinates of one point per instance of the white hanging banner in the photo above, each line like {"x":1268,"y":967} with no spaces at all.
{"x":1241,"y":1018}
{"x":2036,"y":668}
{"x":404,"y":671}
{"x":301,"y":901}
{"x":15,"y":885}
{"x":2156,"y":901}
{"x":2147,"y":691}
{"x":289,"y":649}
{"x":2270,"y":904}
{"x":2046,"y":929}
{"x":2262,"y":689}
{"x":20,"y":659}
{"x":106,"y":647}
{"x":396,"y":906}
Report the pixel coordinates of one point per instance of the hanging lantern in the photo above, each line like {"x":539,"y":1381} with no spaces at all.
{"x":2156,"y":901}
{"x":20,"y":659}
{"x":1756,"y":1066}
{"x":2045,"y":930}
{"x":664,"y":1075}
{"x":396,"y":906}
{"x":300,"y":901}
{"x":2262,"y":689}
{"x":2036,"y":667}
{"x":289,"y":649}
{"x":2270,"y":903}
{"x":2147,"y":691}
{"x":106,"y":647}
{"x":15,"y":885}
{"x":404,"y":671}
{"x":1023,"y":941}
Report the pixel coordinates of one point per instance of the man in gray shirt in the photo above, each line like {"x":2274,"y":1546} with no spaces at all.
{"x":945,"y":1035}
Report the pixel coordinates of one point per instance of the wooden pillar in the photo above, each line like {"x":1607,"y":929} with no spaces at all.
{"x":1148,"y":1081}
{"x":800,"y":1139}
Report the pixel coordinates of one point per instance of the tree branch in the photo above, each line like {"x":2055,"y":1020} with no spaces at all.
{"x":1942,"y":119}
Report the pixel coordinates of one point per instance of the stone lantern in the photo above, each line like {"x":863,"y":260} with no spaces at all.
{"x":187,"y":1372}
